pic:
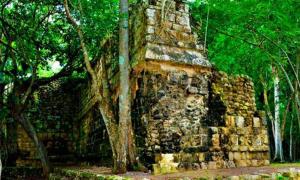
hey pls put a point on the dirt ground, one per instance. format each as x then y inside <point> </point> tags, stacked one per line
<point>197,173</point>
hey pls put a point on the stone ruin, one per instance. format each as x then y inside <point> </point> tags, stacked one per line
<point>186,114</point>
<point>191,115</point>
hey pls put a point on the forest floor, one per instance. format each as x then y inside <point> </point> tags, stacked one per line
<point>273,168</point>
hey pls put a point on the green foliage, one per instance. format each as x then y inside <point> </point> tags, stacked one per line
<point>236,31</point>
<point>37,41</point>
<point>36,34</point>
<point>250,37</point>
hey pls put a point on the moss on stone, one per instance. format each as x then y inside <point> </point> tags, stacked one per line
<point>60,173</point>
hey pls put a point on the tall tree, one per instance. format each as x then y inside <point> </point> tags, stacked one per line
<point>120,132</point>
<point>0,167</point>
<point>124,96</point>
<point>277,133</point>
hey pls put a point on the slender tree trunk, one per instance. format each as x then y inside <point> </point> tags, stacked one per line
<point>285,117</point>
<point>291,141</point>
<point>278,143</point>
<point>0,167</point>
<point>297,106</point>
<point>1,105</point>
<point>39,145</point>
<point>125,125</point>
<point>267,108</point>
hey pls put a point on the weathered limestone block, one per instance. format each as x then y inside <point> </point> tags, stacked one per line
<point>215,140</point>
<point>239,121</point>
<point>164,158</point>
<point>183,20</point>
<point>212,165</point>
<point>256,122</point>
<point>230,121</point>
<point>234,140</point>
<point>150,29</point>
<point>243,148</point>
<point>201,157</point>
<point>189,158</point>
<point>243,131</point>
<point>174,54</point>
<point>237,156</point>
<point>151,12</point>
<point>163,168</point>
<point>204,165</point>
<point>214,130</point>
<point>231,156</point>
<point>241,163</point>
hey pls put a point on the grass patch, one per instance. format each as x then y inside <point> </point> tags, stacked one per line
<point>279,165</point>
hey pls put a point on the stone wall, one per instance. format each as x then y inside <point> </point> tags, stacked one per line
<point>198,120</point>
<point>173,107</point>
<point>236,94</point>
<point>50,111</point>
<point>67,121</point>
<point>93,143</point>
<point>186,114</point>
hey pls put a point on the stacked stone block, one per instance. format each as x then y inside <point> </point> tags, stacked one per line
<point>192,116</point>
<point>164,34</point>
<point>28,151</point>
<point>51,112</point>
<point>174,105</point>
<point>229,142</point>
<point>237,94</point>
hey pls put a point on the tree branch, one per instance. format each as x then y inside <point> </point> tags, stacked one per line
<point>280,65</point>
<point>284,52</point>
<point>7,45</point>
<point>237,37</point>
<point>33,77</point>
<point>266,103</point>
<point>82,43</point>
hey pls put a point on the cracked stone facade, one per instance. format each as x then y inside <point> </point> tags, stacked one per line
<point>188,115</point>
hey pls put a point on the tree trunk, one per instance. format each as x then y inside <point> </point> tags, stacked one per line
<point>285,117</point>
<point>297,106</point>
<point>39,145</point>
<point>267,108</point>
<point>277,135</point>
<point>125,125</point>
<point>291,141</point>
<point>0,167</point>
<point>119,165</point>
